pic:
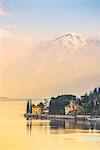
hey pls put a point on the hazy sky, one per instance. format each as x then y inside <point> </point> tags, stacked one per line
<point>23,23</point>
<point>51,17</point>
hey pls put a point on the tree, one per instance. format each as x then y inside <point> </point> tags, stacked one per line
<point>57,105</point>
<point>41,105</point>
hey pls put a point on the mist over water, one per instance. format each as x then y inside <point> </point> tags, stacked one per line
<point>16,133</point>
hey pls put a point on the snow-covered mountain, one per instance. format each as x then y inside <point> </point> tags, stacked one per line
<point>69,43</point>
<point>73,41</point>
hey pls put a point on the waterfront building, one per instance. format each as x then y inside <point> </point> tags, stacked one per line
<point>36,110</point>
<point>72,107</point>
<point>45,110</point>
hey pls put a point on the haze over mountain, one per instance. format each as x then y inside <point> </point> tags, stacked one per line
<point>68,63</point>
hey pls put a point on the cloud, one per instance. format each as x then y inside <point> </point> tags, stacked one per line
<point>3,11</point>
<point>13,45</point>
<point>4,34</point>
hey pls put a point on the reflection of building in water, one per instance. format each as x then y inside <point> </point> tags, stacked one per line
<point>63,124</point>
<point>72,124</point>
<point>92,125</point>
<point>36,124</point>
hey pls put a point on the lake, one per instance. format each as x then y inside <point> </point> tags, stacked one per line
<point>16,133</point>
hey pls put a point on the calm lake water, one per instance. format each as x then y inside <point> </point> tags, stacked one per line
<point>18,134</point>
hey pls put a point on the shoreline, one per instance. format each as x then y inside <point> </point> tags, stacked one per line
<point>44,116</point>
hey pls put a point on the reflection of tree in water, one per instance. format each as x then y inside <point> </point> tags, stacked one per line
<point>73,124</point>
<point>41,125</point>
<point>57,124</point>
<point>94,126</point>
<point>98,126</point>
<point>29,126</point>
<point>61,125</point>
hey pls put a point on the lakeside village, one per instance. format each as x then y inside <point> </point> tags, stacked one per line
<point>87,107</point>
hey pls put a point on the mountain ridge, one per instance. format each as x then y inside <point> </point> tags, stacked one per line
<point>70,41</point>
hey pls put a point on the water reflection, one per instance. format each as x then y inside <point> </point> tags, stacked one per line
<point>73,124</point>
<point>29,126</point>
<point>39,124</point>
<point>67,126</point>
<point>16,133</point>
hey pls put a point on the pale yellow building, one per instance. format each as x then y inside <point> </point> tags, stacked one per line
<point>71,107</point>
<point>36,110</point>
